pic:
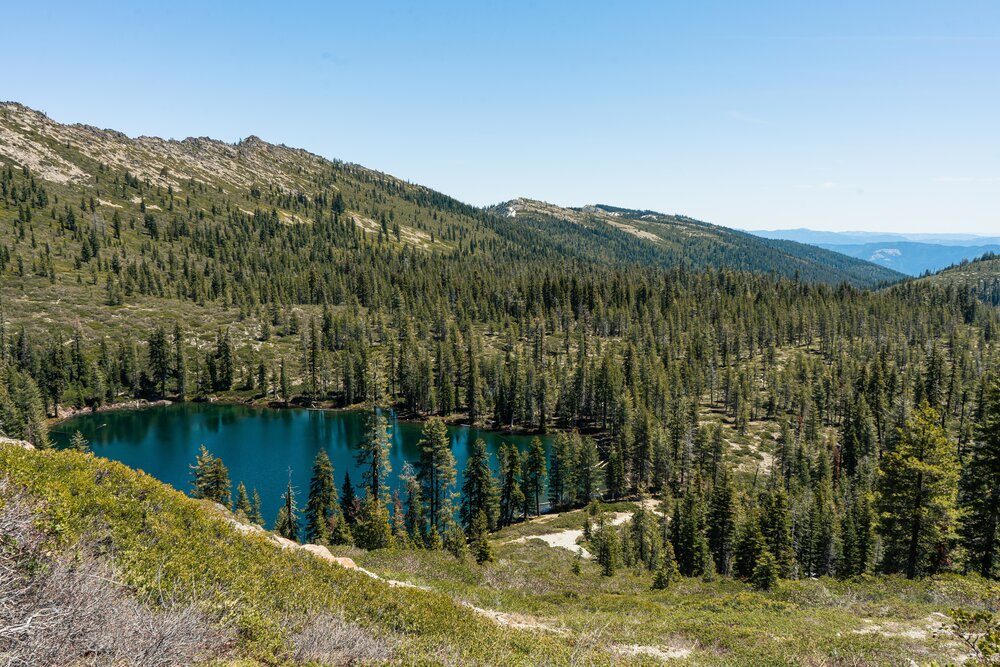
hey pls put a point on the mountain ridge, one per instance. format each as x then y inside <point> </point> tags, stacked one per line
<point>74,155</point>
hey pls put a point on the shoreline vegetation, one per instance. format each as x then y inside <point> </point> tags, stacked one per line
<point>67,413</point>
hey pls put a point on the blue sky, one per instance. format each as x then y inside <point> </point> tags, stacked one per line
<point>847,115</point>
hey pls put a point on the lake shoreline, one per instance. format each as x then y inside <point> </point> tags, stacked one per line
<point>454,419</point>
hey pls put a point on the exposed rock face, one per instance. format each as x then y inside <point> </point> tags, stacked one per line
<point>283,542</point>
<point>12,442</point>
<point>320,551</point>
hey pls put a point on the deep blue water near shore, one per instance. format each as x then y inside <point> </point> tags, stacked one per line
<point>258,445</point>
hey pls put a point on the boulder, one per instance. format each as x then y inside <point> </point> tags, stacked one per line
<point>283,542</point>
<point>13,442</point>
<point>320,551</point>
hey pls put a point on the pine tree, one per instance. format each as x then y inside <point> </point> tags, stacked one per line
<point>283,382</point>
<point>211,478</point>
<point>159,360</point>
<point>453,537</point>
<point>256,516</point>
<point>588,470</point>
<point>776,526</point>
<point>322,507</point>
<point>78,442</point>
<point>180,363</point>
<point>511,495</point>
<point>416,521</point>
<point>562,464</point>
<point>535,473</point>
<point>349,503</point>
<point>916,496</point>
<point>479,538</point>
<point>766,572</point>
<point>607,546</point>
<point>749,545</point>
<point>22,408</point>
<point>479,493</point>
<point>436,470</point>
<point>980,487</point>
<point>287,522</point>
<point>722,522</point>
<point>373,456</point>
<point>667,570</point>
<point>243,506</point>
<point>372,529</point>
<point>693,555</point>
<point>644,536</point>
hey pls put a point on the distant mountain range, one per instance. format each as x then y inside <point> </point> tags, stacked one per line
<point>912,254</point>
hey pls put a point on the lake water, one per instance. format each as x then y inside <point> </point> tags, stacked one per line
<point>258,445</point>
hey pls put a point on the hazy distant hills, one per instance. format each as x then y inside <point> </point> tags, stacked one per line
<point>912,254</point>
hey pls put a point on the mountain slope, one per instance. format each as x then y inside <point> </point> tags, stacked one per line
<point>979,278</point>
<point>672,240</point>
<point>269,603</point>
<point>199,181</point>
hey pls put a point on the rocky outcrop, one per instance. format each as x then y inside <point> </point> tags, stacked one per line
<point>321,551</point>
<point>13,442</point>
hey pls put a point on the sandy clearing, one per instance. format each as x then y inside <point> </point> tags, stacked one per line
<point>567,539</point>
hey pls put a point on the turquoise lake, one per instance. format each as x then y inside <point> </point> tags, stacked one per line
<point>258,445</point>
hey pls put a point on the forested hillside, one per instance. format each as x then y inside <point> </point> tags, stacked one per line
<point>789,422</point>
<point>680,241</point>
<point>979,278</point>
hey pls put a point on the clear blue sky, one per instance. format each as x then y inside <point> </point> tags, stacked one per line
<point>833,115</point>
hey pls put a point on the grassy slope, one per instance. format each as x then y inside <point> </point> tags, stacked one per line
<point>158,538</point>
<point>861,621</point>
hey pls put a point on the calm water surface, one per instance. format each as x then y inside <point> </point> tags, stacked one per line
<point>258,445</point>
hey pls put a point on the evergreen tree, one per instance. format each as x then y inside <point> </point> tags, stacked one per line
<point>349,503</point>
<point>749,545</point>
<point>372,529</point>
<point>479,538</point>
<point>562,466</point>
<point>211,478</point>
<point>588,470</point>
<point>180,363</point>
<point>287,522</point>
<point>257,516</point>
<point>373,456</point>
<point>243,506</point>
<point>916,496</point>
<point>722,522</point>
<point>479,493</point>
<point>693,555</point>
<point>667,570</point>
<point>78,442</point>
<point>776,526</point>
<point>766,572</point>
<point>607,546</point>
<point>416,521</point>
<point>535,473</point>
<point>159,359</point>
<point>511,495</point>
<point>323,506</point>
<point>22,408</point>
<point>436,470</point>
<point>980,486</point>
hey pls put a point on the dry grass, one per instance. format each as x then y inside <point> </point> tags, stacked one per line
<point>73,611</point>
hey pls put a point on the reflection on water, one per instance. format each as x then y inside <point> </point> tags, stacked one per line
<point>259,446</point>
